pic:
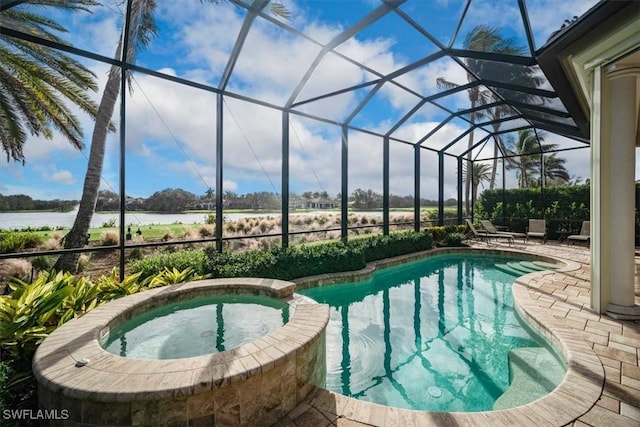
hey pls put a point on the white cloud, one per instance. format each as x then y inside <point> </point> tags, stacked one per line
<point>63,177</point>
<point>546,16</point>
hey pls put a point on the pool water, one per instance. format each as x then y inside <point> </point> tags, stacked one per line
<point>197,326</point>
<point>428,335</point>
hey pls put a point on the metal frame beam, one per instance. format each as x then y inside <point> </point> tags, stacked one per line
<point>492,56</point>
<point>252,13</point>
<point>284,198</point>
<point>416,187</point>
<point>385,186</point>
<point>373,16</point>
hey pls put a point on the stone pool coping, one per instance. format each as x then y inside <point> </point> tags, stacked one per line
<point>111,378</point>
<point>573,397</point>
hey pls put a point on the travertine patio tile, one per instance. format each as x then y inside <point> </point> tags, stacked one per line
<point>629,341</point>
<point>282,422</point>
<point>345,422</point>
<point>584,313</point>
<point>557,311</point>
<point>612,374</point>
<point>570,306</point>
<point>560,295</point>
<point>376,414</point>
<point>622,393</point>
<point>631,382</point>
<point>311,417</point>
<point>572,291</point>
<point>595,338</point>
<point>598,416</point>
<point>631,371</point>
<point>631,331</point>
<point>574,324</point>
<point>392,417</point>
<point>630,411</point>
<point>614,353</point>
<point>579,423</point>
<point>584,298</point>
<point>623,347</point>
<point>299,410</point>
<point>589,328</point>
<point>609,403</point>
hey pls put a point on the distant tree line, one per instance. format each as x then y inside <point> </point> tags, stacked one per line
<point>22,202</point>
<point>178,200</point>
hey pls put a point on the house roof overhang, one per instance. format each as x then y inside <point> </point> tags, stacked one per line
<point>605,33</point>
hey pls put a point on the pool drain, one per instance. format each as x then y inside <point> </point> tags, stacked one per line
<point>434,392</point>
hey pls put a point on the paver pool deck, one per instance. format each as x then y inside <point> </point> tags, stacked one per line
<point>565,296</point>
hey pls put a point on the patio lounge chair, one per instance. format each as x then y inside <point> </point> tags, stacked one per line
<point>584,236</point>
<point>537,228</point>
<point>486,236</point>
<point>488,225</point>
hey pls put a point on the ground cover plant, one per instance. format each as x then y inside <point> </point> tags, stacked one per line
<point>32,310</point>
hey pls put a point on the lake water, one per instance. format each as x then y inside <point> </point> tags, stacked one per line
<point>11,220</point>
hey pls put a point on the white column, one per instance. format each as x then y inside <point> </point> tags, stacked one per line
<point>617,210</point>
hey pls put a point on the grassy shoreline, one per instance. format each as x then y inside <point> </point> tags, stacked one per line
<point>160,229</point>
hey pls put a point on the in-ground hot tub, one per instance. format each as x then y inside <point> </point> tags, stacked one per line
<point>255,383</point>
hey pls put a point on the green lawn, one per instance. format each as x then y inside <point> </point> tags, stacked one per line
<point>148,231</point>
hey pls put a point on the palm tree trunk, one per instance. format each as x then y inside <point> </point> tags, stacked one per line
<point>494,166</point>
<point>467,189</point>
<point>78,235</point>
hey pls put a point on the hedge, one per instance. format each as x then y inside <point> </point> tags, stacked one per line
<point>292,262</point>
<point>564,208</point>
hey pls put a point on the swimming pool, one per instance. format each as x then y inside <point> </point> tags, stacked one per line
<point>197,326</point>
<point>431,335</point>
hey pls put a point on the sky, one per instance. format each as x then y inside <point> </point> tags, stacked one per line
<point>171,128</point>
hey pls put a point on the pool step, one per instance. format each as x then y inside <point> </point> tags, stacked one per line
<point>519,268</point>
<point>532,266</point>
<point>507,269</point>
<point>533,372</point>
<point>516,265</point>
<point>546,265</point>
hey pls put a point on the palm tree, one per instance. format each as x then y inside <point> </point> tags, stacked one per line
<point>484,39</point>
<point>210,193</point>
<point>37,81</point>
<point>555,171</point>
<point>528,149</point>
<point>480,173</point>
<point>142,29</point>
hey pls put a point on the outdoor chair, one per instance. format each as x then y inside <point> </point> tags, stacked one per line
<point>488,225</point>
<point>486,236</point>
<point>537,228</point>
<point>584,236</point>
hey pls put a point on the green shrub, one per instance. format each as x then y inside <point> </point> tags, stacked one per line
<point>11,241</point>
<point>310,260</point>
<point>439,233</point>
<point>232,264</point>
<point>210,219</point>
<point>180,260</point>
<point>285,264</point>
<point>378,246</point>
<point>135,254</point>
<point>43,263</point>
<point>110,223</point>
<point>454,239</point>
